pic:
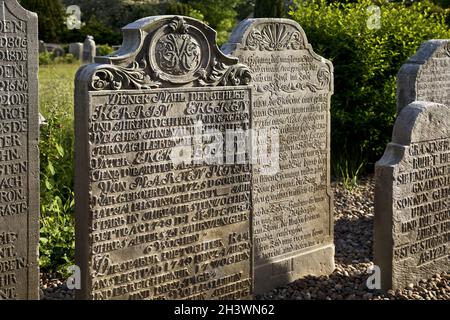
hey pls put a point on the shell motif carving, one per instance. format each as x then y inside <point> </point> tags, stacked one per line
<point>275,37</point>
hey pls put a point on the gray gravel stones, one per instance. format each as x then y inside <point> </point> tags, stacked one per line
<point>353,215</point>
<point>52,288</point>
<point>353,238</point>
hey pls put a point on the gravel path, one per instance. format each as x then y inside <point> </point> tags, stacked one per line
<point>353,215</point>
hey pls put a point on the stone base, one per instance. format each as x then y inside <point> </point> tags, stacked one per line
<point>281,272</point>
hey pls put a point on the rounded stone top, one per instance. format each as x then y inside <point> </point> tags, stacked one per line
<point>422,121</point>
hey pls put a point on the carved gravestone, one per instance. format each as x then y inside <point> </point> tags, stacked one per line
<point>89,50</point>
<point>19,173</point>
<point>412,193</point>
<point>293,224</point>
<point>426,75</point>
<point>76,49</point>
<point>156,216</point>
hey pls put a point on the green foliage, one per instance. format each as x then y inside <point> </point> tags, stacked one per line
<point>270,9</point>
<point>48,58</point>
<point>366,62</point>
<point>45,58</point>
<point>104,50</point>
<point>184,9</point>
<point>94,27</point>
<point>221,15</point>
<point>57,236</point>
<point>105,22</point>
<point>51,18</point>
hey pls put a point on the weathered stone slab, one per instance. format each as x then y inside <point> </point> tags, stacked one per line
<point>19,172</point>
<point>89,50</point>
<point>426,75</point>
<point>55,49</point>
<point>151,223</point>
<point>412,194</point>
<point>76,49</point>
<point>293,224</point>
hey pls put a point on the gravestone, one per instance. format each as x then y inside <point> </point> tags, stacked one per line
<point>293,223</point>
<point>42,48</point>
<point>55,49</point>
<point>89,50</point>
<point>151,222</point>
<point>426,75</point>
<point>19,173</point>
<point>76,49</point>
<point>412,193</point>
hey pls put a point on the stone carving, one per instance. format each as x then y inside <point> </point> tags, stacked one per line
<point>274,37</point>
<point>178,53</point>
<point>426,75</point>
<point>173,57</point>
<point>293,222</point>
<point>19,164</point>
<point>412,192</point>
<point>116,78</point>
<point>277,86</point>
<point>151,223</point>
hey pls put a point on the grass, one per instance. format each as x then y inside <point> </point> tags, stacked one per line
<point>56,87</point>
<point>57,232</point>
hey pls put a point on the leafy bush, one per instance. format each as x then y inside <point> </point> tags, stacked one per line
<point>94,27</point>
<point>270,9</point>
<point>51,18</point>
<point>104,50</point>
<point>57,235</point>
<point>48,58</point>
<point>45,58</point>
<point>366,62</point>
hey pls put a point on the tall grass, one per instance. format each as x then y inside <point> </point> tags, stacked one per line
<point>57,233</point>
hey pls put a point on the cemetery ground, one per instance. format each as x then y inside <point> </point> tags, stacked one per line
<point>353,216</point>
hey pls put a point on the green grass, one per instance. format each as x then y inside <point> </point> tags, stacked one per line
<point>57,232</point>
<point>56,85</point>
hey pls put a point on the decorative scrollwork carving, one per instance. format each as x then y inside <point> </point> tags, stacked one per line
<point>275,37</point>
<point>112,77</point>
<point>178,25</point>
<point>178,54</point>
<point>447,49</point>
<point>224,75</point>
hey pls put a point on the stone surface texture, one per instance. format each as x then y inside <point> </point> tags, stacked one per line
<point>76,49</point>
<point>19,166</point>
<point>412,217</point>
<point>293,219</point>
<point>156,218</point>
<point>426,75</point>
<point>89,50</point>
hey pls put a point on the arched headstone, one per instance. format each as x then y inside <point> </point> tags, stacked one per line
<point>412,197</point>
<point>426,75</point>
<point>159,214</point>
<point>293,205</point>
